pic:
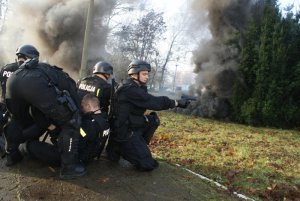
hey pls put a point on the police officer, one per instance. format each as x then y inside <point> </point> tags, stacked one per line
<point>5,73</point>
<point>97,84</point>
<point>52,92</point>
<point>93,128</point>
<point>132,129</point>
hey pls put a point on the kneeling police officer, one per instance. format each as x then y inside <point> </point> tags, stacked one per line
<point>97,84</point>
<point>53,93</point>
<point>132,129</point>
<point>93,129</point>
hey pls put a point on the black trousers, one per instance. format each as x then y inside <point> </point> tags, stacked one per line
<point>15,134</point>
<point>45,152</point>
<point>136,149</point>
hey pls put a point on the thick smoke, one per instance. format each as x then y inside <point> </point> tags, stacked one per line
<point>216,59</point>
<point>56,28</point>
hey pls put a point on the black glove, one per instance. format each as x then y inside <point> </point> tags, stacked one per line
<point>54,135</point>
<point>183,103</point>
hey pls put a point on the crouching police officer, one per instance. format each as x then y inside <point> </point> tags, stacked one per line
<point>5,73</point>
<point>93,129</point>
<point>132,129</point>
<point>97,84</point>
<point>52,92</point>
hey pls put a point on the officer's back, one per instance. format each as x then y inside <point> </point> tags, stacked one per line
<point>97,84</point>
<point>53,93</point>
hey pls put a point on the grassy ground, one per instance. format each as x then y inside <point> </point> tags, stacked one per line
<point>262,163</point>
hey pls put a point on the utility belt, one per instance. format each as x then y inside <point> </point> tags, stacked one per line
<point>136,122</point>
<point>141,121</point>
<point>124,129</point>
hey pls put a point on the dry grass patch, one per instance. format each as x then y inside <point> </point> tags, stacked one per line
<point>260,162</point>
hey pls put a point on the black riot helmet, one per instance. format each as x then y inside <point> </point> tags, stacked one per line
<point>28,51</point>
<point>137,66</point>
<point>103,67</point>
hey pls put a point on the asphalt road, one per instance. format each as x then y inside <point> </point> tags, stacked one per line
<point>31,180</point>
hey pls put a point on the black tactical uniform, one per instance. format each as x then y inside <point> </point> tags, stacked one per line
<point>54,94</point>
<point>96,85</point>
<point>5,73</point>
<point>95,126</point>
<point>132,129</point>
<point>90,141</point>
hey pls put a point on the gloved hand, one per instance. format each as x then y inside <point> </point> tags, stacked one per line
<point>183,103</point>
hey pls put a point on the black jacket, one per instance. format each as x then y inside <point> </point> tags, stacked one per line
<point>35,84</point>
<point>93,126</point>
<point>132,101</point>
<point>5,73</point>
<point>97,86</point>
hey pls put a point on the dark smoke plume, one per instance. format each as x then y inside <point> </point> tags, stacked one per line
<point>216,59</point>
<point>56,28</point>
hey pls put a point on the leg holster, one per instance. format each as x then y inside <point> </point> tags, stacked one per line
<point>152,124</point>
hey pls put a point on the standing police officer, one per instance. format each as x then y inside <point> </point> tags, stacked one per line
<point>51,92</point>
<point>132,129</point>
<point>97,84</point>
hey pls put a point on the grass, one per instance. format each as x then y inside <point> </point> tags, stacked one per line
<point>262,163</point>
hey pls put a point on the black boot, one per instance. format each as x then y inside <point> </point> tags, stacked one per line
<point>2,145</point>
<point>113,151</point>
<point>13,157</point>
<point>72,171</point>
<point>71,168</point>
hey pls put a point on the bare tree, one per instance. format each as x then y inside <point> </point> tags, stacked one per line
<point>167,59</point>
<point>119,9</point>
<point>138,41</point>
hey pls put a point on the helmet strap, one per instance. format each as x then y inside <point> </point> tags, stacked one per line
<point>106,76</point>
<point>138,79</point>
<point>102,75</point>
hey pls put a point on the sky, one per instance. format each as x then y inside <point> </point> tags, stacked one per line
<point>288,2</point>
<point>173,6</point>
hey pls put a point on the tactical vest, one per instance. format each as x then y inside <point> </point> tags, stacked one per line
<point>128,117</point>
<point>97,86</point>
<point>5,73</point>
<point>90,84</point>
